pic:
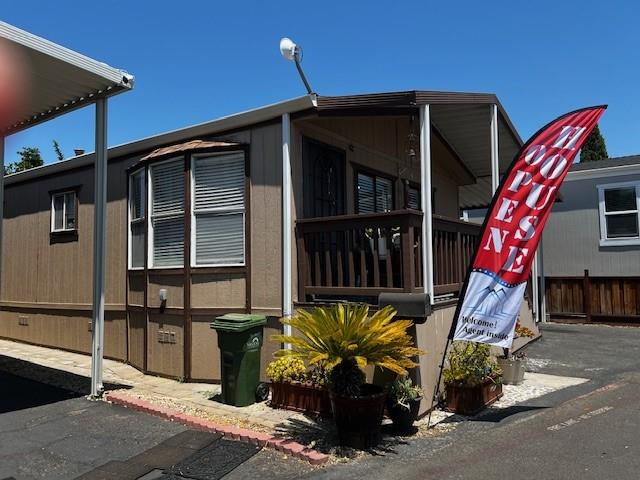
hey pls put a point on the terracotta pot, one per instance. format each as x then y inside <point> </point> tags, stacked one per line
<point>512,370</point>
<point>359,419</point>
<point>469,400</point>
<point>402,417</point>
<point>301,397</point>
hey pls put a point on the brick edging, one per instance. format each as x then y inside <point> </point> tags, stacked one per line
<point>235,433</point>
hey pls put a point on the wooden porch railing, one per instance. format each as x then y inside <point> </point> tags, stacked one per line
<point>454,242</point>
<point>365,255</point>
<point>359,255</point>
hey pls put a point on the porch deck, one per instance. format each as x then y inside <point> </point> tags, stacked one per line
<point>362,256</point>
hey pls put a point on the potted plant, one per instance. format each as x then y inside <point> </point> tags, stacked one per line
<point>513,365</point>
<point>403,403</point>
<point>472,378</point>
<point>347,339</point>
<point>295,388</point>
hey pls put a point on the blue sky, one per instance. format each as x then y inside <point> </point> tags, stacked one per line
<point>195,61</point>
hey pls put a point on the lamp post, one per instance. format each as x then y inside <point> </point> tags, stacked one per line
<point>293,53</point>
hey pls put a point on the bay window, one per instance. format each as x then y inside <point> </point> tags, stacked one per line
<point>137,217</point>
<point>218,209</point>
<point>166,235</point>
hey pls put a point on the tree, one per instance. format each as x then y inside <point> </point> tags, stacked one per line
<point>29,158</point>
<point>58,150</point>
<point>594,147</point>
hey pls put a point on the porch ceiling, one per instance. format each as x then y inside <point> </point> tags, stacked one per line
<point>463,119</point>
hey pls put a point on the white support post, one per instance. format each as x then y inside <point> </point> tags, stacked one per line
<point>287,302</point>
<point>99,250</point>
<point>495,160</point>
<point>543,299</point>
<point>425,200</point>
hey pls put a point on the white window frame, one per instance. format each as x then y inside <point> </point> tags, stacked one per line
<point>613,242</point>
<point>64,211</point>
<point>150,216</point>
<point>216,211</point>
<point>130,220</point>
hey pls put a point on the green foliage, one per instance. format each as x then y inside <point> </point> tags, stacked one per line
<point>286,369</point>
<point>594,148</point>
<point>346,334</point>
<point>58,150</point>
<point>402,391</point>
<point>29,158</point>
<point>470,364</point>
<point>347,378</point>
<point>318,375</point>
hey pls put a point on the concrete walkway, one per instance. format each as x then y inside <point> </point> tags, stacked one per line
<point>190,398</point>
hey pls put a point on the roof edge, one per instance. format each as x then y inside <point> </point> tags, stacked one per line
<point>219,125</point>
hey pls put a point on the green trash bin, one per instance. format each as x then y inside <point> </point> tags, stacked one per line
<point>240,342</point>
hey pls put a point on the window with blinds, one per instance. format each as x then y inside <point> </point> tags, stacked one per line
<point>619,213</point>
<point>218,197</point>
<point>63,212</point>
<point>413,198</point>
<point>374,193</point>
<point>167,214</point>
<point>136,219</point>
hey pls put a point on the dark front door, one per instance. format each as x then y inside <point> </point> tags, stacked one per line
<point>323,168</point>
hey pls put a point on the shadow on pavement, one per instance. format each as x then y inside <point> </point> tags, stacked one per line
<point>493,415</point>
<point>31,385</point>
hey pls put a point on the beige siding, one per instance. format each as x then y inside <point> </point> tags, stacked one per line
<point>136,290</point>
<point>266,219</point>
<point>59,272</point>
<point>165,358</point>
<point>66,329</point>
<point>137,323</point>
<point>218,291</point>
<point>173,284</point>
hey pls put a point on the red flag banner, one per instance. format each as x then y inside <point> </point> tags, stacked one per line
<point>496,281</point>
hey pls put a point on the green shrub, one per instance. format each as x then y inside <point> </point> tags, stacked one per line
<point>470,364</point>
<point>402,391</point>
<point>346,336</point>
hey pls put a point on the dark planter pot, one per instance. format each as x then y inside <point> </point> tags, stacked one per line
<point>512,370</point>
<point>402,417</point>
<point>301,397</point>
<point>467,400</point>
<point>359,419</point>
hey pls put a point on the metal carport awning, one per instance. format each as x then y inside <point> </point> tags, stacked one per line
<point>60,81</point>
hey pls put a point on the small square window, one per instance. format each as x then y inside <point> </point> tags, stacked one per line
<point>63,212</point>
<point>619,214</point>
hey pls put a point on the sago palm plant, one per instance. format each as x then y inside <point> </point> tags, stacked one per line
<point>346,339</point>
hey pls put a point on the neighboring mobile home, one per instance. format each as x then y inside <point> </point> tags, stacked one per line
<point>592,243</point>
<point>195,222</point>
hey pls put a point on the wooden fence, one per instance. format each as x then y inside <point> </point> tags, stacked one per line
<point>594,299</point>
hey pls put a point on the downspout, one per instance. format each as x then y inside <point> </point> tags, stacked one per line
<point>287,301</point>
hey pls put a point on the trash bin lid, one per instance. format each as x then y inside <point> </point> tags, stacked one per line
<point>238,322</point>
